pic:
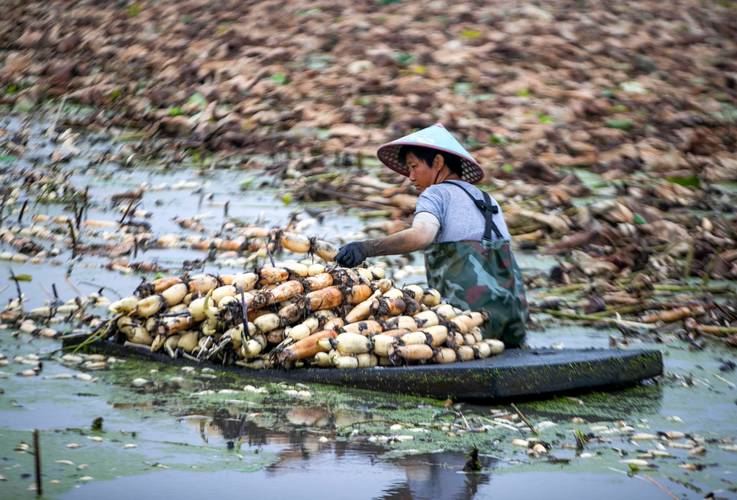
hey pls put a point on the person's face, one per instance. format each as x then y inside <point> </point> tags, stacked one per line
<point>421,174</point>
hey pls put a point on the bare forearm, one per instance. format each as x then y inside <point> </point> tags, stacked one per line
<point>404,241</point>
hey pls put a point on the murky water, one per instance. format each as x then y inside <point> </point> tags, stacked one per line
<point>190,434</point>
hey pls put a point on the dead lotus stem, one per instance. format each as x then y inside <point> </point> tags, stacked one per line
<point>327,298</point>
<point>672,315</point>
<point>716,330</point>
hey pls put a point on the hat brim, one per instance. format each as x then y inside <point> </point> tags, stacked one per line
<point>388,154</point>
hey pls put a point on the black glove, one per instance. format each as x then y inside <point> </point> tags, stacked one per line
<point>351,255</point>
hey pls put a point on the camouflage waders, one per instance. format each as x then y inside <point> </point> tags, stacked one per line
<point>482,276</point>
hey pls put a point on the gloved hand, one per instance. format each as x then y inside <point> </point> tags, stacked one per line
<point>351,255</point>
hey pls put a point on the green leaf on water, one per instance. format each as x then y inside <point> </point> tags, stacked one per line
<point>639,219</point>
<point>633,468</point>
<point>620,108</point>
<point>470,34</point>
<point>462,88</point>
<point>280,78</point>
<point>609,93</point>
<point>158,276</point>
<point>133,10</point>
<point>619,123</point>
<point>197,99</point>
<point>286,198</point>
<point>23,277</point>
<point>175,111</point>
<point>689,181</point>
<point>633,88</point>
<point>403,58</point>
<point>115,94</point>
<point>498,139</point>
<point>7,158</point>
<point>97,424</point>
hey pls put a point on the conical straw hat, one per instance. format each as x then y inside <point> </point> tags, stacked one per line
<point>434,137</point>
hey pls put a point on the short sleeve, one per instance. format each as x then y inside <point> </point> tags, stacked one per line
<point>432,200</point>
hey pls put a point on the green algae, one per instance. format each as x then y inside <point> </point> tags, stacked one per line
<point>115,456</point>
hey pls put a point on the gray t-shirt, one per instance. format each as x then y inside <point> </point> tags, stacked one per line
<point>460,219</point>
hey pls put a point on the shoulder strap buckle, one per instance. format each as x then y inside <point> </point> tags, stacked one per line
<point>487,208</point>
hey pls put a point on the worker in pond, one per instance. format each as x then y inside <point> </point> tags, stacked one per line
<point>468,256</point>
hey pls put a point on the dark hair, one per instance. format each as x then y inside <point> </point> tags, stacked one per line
<point>428,155</point>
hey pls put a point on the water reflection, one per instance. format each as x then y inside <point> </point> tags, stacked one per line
<point>438,476</point>
<point>303,437</point>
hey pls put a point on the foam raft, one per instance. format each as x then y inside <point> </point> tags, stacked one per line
<point>516,373</point>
